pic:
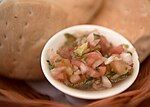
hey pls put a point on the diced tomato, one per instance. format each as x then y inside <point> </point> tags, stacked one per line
<point>116,50</point>
<point>92,57</point>
<point>102,70</point>
<point>79,64</point>
<point>75,79</point>
<point>96,74</point>
<point>92,73</point>
<point>76,62</point>
<point>120,67</point>
<point>105,45</point>
<point>59,74</point>
<point>62,62</point>
<point>65,52</point>
<point>66,62</point>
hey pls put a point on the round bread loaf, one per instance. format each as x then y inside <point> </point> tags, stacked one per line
<point>131,18</point>
<point>26,25</point>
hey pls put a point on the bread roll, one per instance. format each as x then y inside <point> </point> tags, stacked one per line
<point>26,25</point>
<point>131,18</point>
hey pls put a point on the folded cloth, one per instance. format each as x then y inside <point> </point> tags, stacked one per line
<point>45,88</point>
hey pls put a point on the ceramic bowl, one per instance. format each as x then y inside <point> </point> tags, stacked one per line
<point>115,38</point>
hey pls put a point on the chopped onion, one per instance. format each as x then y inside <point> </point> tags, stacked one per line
<point>83,68</point>
<point>110,59</point>
<point>115,76</point>
<point>125,46</point>
<point>90,38</point>
<point>106,82</point>
<point>95,42</point>
<point>126,57</point>
<point>97,63</point>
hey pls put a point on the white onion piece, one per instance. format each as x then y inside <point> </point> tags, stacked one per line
<point>95,42</point>
<point>115,76</point>
<point>90,38</point>
<point>83,68</point>
<point>110,59</point>
<point>126,57</point>
<point>106,82</point>
<point>97,63</point>
<point>77,72</point>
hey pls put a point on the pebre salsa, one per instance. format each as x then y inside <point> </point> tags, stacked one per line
<point>91,62</point>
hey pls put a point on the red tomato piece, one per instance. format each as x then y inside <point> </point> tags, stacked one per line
<point>116,50</point>
<point>105,45</point>
<point>65,52</point>
<point>75,79</point>
<point>92,57</point>
<point>102,70</point>
<point>59,74</point>
<point>96,74</point>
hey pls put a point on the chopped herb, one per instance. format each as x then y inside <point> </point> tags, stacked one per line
<point>86,51</point>
<point>88,83</point>
<point>96,36</point>
<point>68,83</point>
<point>120,78</point>
<point>50,65</point>
<point>106,56</point>
<point>83,40</point>
<point>110,74</point>
<point>90,78</point>
<point>70,40</point>
<point>129,52</point>
<point>79,51</point>
<point>70,37</point>
<point>125,46</point>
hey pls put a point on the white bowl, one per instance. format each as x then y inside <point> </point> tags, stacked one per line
<point>115,38</point>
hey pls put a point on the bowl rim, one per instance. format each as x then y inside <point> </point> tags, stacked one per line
<point>77,93</point>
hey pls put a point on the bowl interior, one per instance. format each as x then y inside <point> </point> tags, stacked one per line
<point>58,40</point>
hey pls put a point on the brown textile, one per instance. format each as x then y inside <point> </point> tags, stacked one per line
<point>16,93</point>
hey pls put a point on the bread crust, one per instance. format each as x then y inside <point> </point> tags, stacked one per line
<point>25,27</point>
